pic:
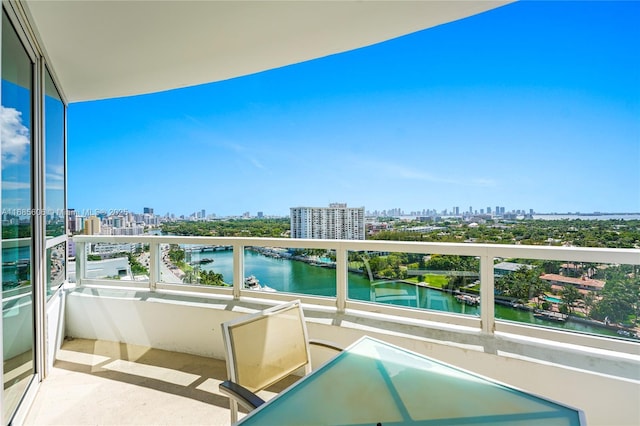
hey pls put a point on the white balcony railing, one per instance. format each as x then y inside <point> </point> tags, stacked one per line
<point>485,324</point>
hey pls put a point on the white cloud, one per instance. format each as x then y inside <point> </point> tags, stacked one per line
<point>55,187</point>
<point>403,171</point>
<point>256,163</point>
<point>55,173</point>
<point>15,136</point>
<point>483,182</point>
<point>12,186</point>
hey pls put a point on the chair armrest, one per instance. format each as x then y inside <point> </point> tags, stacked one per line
<point>242,395</point>
<point>325,344</point>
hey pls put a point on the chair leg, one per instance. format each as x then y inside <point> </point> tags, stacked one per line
<point>233,407</point>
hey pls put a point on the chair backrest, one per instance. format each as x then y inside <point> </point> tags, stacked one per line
<point>265,347</point>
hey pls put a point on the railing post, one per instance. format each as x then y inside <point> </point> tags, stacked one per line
<point>81,261</point>
<point>342,278</point>
<point>154,265</point>
<point>487,307</point>
<point>238,269</point>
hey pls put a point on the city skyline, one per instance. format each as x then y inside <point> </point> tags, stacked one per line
<point>532,105</point>
<point>455,211</point>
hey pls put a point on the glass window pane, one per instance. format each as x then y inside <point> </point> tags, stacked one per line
<point>54,159</point>
<point>196,264</point>
<point>116,261</point>
<point>586,297</point>
<point>436,282</point>
<point>17,294</point>
<point>309,271</point>
<point>56,262</point>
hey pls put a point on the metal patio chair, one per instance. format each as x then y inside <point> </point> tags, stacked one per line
<point>263,348</point>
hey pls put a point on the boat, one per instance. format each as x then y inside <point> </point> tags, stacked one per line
<point>468,299</point>
<point>206,260</point>
<point>548,315</point>
<point>252,283</point>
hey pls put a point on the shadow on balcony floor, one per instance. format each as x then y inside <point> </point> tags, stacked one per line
<point>109,383</point>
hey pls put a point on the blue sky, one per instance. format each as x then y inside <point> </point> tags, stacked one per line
<point>533,105</point>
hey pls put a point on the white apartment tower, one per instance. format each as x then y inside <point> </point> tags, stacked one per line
<point>336,222</point>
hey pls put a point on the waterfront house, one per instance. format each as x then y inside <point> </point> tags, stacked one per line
<point>583,283</point>
<point>504,268</point>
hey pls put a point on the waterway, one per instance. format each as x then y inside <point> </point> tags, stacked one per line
<point>302,278</point>
<point>593,216</point>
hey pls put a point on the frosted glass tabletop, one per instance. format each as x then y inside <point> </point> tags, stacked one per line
<point>373,382</point>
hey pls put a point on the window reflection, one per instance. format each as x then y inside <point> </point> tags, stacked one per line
<point>17,295</point>
<point>54,159</point>
<point>56,261</point>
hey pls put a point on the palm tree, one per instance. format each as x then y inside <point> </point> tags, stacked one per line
<point>570,295</point>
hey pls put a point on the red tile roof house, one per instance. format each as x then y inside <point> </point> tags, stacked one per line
<point>583,283</point>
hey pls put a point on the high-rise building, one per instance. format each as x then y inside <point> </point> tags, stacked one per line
<point>336,222</point>
<point>80,223</point>
<point>72,220</point>
<point>92,226</point>
<point>147,210</point>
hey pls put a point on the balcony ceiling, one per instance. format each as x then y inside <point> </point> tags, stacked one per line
<point>106,49</point>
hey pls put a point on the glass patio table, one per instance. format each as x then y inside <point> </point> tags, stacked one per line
<point>373,382</point>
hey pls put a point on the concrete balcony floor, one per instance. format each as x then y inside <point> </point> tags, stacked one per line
<point>96,382</point>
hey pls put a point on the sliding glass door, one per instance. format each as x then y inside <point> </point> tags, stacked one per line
<point>17,219</point>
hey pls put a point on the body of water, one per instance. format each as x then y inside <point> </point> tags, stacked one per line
<point>630,216</point>
<point>302,278</point>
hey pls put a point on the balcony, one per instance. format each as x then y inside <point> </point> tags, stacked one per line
<point>598,374</point>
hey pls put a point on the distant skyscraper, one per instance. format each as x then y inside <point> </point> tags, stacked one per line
<point>92,226</point>
<point>203,213</point>
<point>336,222</point>
<point>80,223</point>
<point>260,215</point>
<point>147,210</point>
<point>72,220</point>
<point>488,210</point>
